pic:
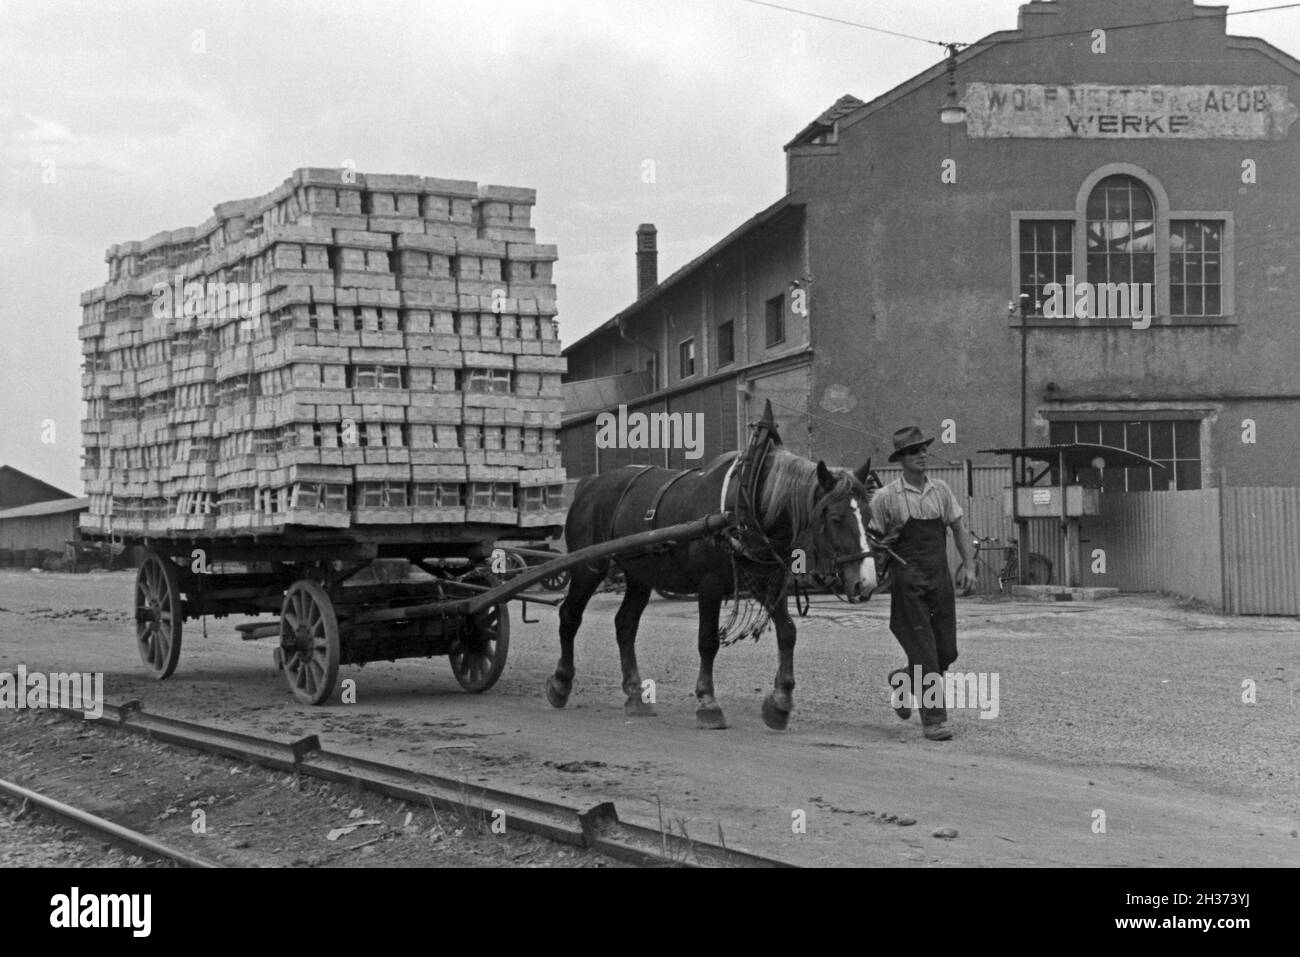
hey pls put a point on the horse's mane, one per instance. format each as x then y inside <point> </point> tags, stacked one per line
<point>791,489</point>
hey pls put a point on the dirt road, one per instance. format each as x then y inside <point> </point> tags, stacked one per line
<point>1127,713</point>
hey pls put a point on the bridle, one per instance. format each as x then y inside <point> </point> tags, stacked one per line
<point>817,529</point>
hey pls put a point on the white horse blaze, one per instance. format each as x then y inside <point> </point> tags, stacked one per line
<point>867,567</point>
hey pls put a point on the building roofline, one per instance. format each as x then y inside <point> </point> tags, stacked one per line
<point>33,478</point>
<point>997,38</point>
<point>800,357</point>
<point>53,507</point>
<point>754,222</point>
<point>926,76</point>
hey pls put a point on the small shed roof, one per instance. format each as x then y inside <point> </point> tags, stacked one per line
<point>1079,455</point>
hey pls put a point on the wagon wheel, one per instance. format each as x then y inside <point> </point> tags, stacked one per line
<point>158,614</point>
<point>309,642</point>
<point>480,656</point>
<point>557,582</point>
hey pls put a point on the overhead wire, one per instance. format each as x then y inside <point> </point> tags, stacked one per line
<point>1012,40</point>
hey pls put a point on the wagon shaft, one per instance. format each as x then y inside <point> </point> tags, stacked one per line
<point>629,545</point>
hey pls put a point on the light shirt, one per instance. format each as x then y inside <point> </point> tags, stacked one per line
<point>895,503</point>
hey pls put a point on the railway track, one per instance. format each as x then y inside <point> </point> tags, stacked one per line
<point>101,827</point>
<point>596,828</point>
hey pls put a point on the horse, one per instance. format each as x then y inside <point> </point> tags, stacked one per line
<point>807,517</point>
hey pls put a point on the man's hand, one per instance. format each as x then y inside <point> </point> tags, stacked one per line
<point>965,579</point>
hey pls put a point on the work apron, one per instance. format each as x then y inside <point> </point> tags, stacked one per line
<point>923,606</point>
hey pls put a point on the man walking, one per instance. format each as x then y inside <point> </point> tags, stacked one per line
<point>914,514</point>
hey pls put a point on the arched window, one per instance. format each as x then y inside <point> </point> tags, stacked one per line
<point>1121,232</point>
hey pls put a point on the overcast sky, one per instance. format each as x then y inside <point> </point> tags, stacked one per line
<point>146,124</point>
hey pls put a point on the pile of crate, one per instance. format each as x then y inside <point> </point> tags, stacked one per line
<point>348,349</point>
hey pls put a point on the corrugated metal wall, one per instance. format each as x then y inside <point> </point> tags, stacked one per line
<point>1157,541</point>
<point>1236,548</point>
<point>1261,551</point>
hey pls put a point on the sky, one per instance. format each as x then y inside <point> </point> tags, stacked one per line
<point>118,120</point>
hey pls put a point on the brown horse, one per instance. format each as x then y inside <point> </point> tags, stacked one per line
<point>808,518</point>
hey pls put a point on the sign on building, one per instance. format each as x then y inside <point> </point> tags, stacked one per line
<point>1096,111</point>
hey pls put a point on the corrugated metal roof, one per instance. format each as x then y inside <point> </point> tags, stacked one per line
<point>47,508</point>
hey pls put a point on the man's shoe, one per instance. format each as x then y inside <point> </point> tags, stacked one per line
<point>903,711</point>
<point>938,732</point>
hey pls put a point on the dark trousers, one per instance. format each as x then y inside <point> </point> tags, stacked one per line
<point>923,617</point>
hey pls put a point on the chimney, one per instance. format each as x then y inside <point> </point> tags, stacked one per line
<point>647,258</point>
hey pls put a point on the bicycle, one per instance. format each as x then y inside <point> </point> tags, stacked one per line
<point>1038,572</point>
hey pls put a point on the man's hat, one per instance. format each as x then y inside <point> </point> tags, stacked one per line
<point>907,439</point>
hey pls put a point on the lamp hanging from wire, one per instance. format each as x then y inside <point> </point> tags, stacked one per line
<point>952,112</point>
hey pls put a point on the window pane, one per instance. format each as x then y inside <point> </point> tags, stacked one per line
<point>1187,475</point>
<point>1135,437</point>
<point>1161,478</point>
<point>1213,301</point>
<point>1177,300</point>
<point>1112,434</point>
<point>1139,480</point>
<point>1187,439</point>
<point>1121,226</point>
<point>1060,433</point>
<point>1162,440</point>
<point>1097,204</point>
<point>1064,266</point>
<point>1089,432</point>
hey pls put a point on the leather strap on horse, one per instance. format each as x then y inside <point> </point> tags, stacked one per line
<point>618,506</point>
<point>653,510</point>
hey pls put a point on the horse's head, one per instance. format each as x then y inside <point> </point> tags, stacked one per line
<point>839,539</point>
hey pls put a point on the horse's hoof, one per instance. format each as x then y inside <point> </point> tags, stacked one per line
<point>774,716</point>
<point>638,708</point>
<point>710,719</point>
<point>556,693</point>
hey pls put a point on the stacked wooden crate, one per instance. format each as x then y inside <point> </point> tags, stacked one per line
<point>348,349</point>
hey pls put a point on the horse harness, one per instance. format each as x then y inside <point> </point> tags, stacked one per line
<point>747,536</point>
<point>650,515</point>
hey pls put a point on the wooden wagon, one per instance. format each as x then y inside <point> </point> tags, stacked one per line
<point>350,596</point>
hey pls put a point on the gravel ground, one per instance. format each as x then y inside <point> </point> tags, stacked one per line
<point>1139,682</point>
<point>1134,704</point>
